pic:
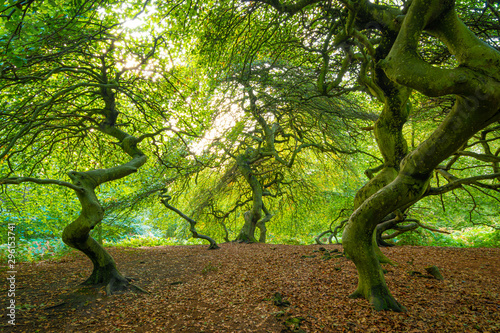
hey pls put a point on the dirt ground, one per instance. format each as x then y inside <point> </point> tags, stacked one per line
<point>258,288</point>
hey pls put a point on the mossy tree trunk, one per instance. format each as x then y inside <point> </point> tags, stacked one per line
<point>475,83</point>
<point>247,232</point>
<point>82,112</point>
<point>388,131</point>
<point>261,224</point>
<point>77,233</point>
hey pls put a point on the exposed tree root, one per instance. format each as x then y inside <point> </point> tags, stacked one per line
<point>114,281</point>
<point>246,240</point>
<point>116,286</point>
<point>380,299</point>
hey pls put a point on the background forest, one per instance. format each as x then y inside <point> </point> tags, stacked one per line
<point>258,125</point>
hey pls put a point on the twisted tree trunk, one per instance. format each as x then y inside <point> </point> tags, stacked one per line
<point>476,84</point>
<point>77,233</point>
<point>388,132</point>
<point>261,224</point>
<point>247,232</point>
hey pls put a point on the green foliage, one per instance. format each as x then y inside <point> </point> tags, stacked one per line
<point>151,240</point>
<point>36,249</point>
<point>55,62</point>
<point>479,236</point>
<point>285,239</point>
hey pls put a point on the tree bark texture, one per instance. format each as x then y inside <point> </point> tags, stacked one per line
<point>77,233</point>
<point>247,232</point>
<point>475,83</point>
<point>388,132</point>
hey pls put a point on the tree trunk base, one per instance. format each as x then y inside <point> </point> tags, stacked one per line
<point>246,241</point>
<point>243,238</point>
<point>383,243</point>
<point>115,282</point>
<point>380,299</point>
<point>213,246</point>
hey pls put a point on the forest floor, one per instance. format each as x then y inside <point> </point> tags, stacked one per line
<point>258,288</point>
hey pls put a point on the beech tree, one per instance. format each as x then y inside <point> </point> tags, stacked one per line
<point>268,138</point>
<point>76,95</point>
<point>282,138</point>
<point>476,107</point>
<point>390,51</point>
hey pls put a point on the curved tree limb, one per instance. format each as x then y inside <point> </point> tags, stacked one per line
<point>476,107</point>
<point>261,224</point>
<point>482,157</point>
<point>455,183</point>
<point>165,198</point>
<point>19,180</point>
<point>334,231</point>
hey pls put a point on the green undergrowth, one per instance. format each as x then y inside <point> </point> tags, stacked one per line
<point>38,249</point>
<point>278,239</point>
<point>151,240</point>
<point>34,250</point>
<point>479,236</point>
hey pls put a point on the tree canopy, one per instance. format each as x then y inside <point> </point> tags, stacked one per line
<point>241,108</point>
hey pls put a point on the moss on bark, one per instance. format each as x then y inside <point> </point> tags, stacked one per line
<point>476,106</point>
<point>77,233</point>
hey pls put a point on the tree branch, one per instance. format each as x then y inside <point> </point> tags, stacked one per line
<point>481,157</point>
<point>19,180</point>
<point>164,198</point>
<point>289,8</point>
<point>458,182</point>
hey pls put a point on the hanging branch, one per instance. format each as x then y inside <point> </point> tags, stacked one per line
<point>455,182</point>
<point>401,229</point>
<point>165,198</point>
<point>19,180</point>
<point>333,233</point>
